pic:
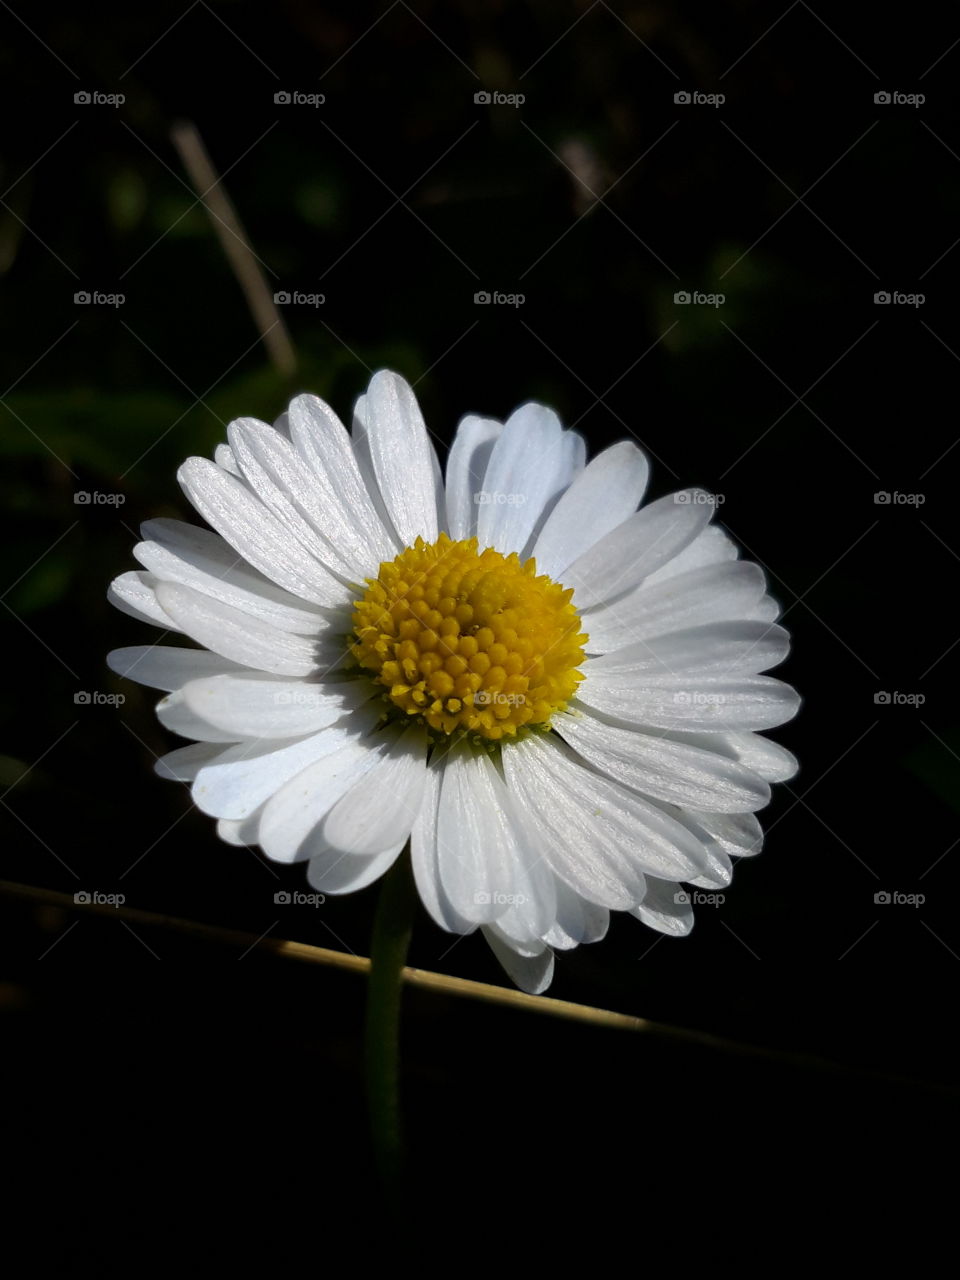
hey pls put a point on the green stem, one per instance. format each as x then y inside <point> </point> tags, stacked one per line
<point>392,928</point>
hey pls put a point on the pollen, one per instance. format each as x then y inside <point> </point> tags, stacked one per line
<point>469,641</point>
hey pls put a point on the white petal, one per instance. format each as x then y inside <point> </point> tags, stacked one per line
<point>603,496</point>
<point>175,715</point>
<point>675,772</point>
<point>135,593</point>
<point>283,479</point>
<point>577,920</point>
<point>351,520</point>
<point>466,468</point>
<point>583,846</point>
<point>243,834</point>
<point>476,842</point>
<point>335,872</point>
<point>223,457</point>
<point>255,706</point>
<point>532,973</point>
<point>738,834</point>
<point>183,764</point>
<point>236,635</point>
<point>765,610</point>
<point>715,593</point>
<point>162,667</point>
<point>666,907</point>
<point>289,826</point>
<point>712,545</point>
<point>528,468</point>
<point>380,809</point>
<point>718,871</point>
<point>719,649</point>
<point>573,457</point>
<point>256,534</point>
<point>244,776</point>
<point>703,703</point>
<point>532,908</point>
<point>623,825</point>
<point>768,759</point>
<point>424,857</point>
<point>402,457</point>
<point>636,548</point>
<point>195,557</point>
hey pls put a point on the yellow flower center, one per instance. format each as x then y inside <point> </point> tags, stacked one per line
<point>469,640</point>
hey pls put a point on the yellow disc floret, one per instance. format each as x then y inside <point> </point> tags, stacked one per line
<point>469,640</point>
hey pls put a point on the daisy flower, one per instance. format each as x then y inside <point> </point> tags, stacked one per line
<point>551,691</point>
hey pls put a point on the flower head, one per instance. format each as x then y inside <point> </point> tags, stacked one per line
<point>553,695</point>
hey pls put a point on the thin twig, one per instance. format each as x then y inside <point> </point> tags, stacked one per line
<point>451,986</point>
<point>236,246</point>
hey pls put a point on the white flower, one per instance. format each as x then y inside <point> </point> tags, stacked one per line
<point>380,661</point>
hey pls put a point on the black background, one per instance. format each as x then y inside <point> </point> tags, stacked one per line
<point>798,399</point>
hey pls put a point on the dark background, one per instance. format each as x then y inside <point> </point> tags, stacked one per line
<point>798,399</point>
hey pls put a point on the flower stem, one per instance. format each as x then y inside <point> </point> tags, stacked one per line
<point>392,928</point>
